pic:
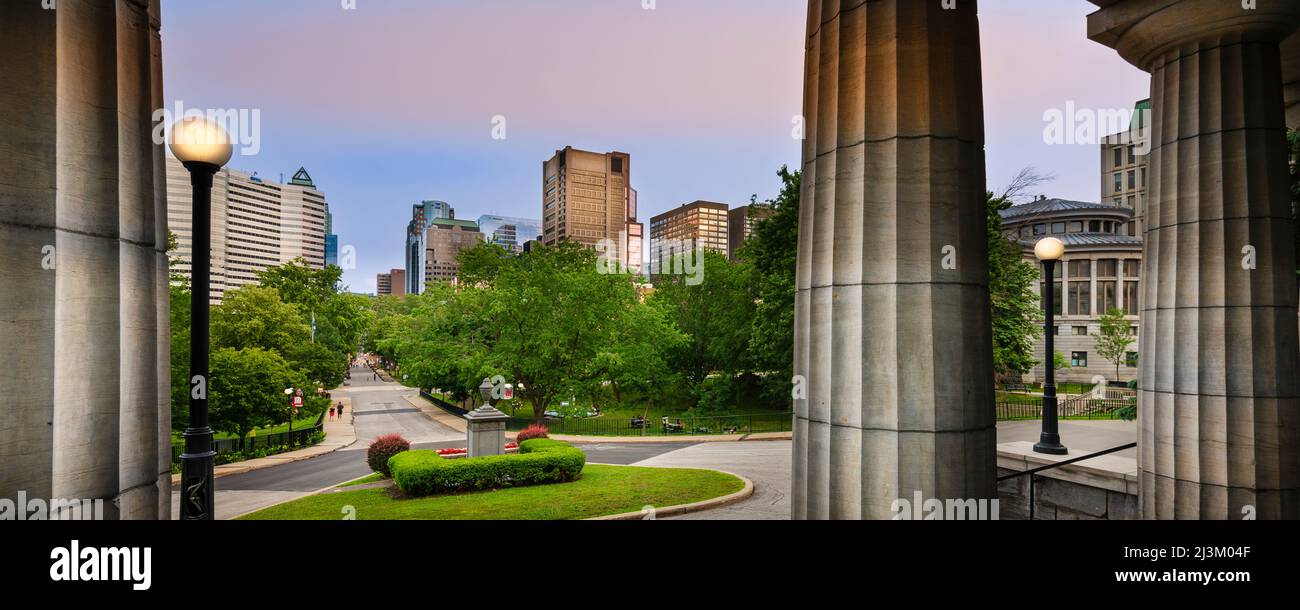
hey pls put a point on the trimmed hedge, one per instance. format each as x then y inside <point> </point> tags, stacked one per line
<point>539,461</point>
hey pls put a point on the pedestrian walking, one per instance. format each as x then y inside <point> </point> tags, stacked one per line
<point>340,410</point>
<point>331,412</point>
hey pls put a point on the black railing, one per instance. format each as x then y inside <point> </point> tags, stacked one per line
<point>758,423</point>
<point>1033,471</point>
<point>297,438</point>
<point>1011,408</point>
<point>442,404</point>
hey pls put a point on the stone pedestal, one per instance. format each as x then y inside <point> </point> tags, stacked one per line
<point>892,323</point>
<point>1219,429</point>
<point>486,431</point>
<point>83,262</point>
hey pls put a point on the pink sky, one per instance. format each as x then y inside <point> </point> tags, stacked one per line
<point>393,102</point>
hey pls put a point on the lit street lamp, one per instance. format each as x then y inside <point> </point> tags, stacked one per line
<point>203,147</point>
<point>1050,251</point>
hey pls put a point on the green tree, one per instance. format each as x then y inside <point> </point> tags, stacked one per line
<point>247,389</point>
<point>717,316</point>
<point>1114,337</point>
<point>773,251</point>
<point>546,321</point>
<point>179,309</point>
<point>1016,310</point>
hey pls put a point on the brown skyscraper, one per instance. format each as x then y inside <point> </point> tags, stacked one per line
<point>700,224</point>
<point>588,197</point>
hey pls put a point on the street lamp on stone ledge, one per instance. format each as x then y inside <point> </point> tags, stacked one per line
<point>203,147</point>
<point>1050,251</point>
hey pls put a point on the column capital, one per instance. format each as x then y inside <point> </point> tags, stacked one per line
<point>1143,30</point>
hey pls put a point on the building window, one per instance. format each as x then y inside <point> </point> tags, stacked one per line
<point>1094,226</point>
<point>1078,359</point>
<point>1131,360</point>
<point>1132,268</point>
<point>1026,232</point>
<point>1132,229</point>
<point>1080,299</point>
<point>1076,226</point>
<point>1080,269</point>
<point>1119,182</point>
<point>1119,156</point>
<point>1040,229</point>
<point>1107,267</point>
<point>1080,331</point>
<point>1058,228</point>
<point>1132,179</point>
<point>1144,177</point>
<point>1107,290</point>
<point>1131,298</point>
<point>1132,155</point>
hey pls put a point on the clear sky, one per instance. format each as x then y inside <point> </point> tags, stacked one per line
<point>393,102</point>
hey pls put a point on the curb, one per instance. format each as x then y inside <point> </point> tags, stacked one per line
<point>695,507</point>
<point>650,440</point>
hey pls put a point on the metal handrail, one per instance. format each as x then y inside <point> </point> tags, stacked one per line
<point>1033,471</point>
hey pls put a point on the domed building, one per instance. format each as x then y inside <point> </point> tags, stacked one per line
<point>1101,270</point>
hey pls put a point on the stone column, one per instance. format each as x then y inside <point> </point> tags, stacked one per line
<point>1219,429</point>
<point>486,431</point>
<point>892,328</point>
<point>1291,79</point>
<point>82,257</point>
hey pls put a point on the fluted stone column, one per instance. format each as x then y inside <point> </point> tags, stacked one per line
<point>1219,430</point>
<point>892,323</point>
<point>83,310</point>
<point>1291,79</point>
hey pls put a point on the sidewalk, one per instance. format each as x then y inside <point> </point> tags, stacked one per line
<point>339,433</point>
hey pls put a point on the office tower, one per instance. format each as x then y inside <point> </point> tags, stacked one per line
<point>331,240</point>
<point>741,222</point>
<point>588,197</point>
<point>422,216</point>
<point>1124,169</point>
<point>701,224</point>
<point>255,224</point>
<point>384,284</point>
<point>446,239</point>
<point>508,232</point>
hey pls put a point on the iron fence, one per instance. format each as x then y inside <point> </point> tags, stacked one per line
<point>1076,407</point>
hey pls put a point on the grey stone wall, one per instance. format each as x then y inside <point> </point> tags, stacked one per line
<point>1059,499</point>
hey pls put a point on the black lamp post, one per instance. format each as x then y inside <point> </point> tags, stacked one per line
<point>203,147</point>
<point>1050,251</point>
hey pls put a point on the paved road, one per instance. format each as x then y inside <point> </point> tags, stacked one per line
<point>379,408</point>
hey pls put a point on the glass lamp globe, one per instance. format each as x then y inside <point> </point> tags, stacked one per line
<point>198,140</point>
<point>1049,249</point>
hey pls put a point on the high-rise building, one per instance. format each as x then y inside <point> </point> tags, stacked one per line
<point>701,224</point>
<point>446,239</point>
<point>422,216</point>
<point>392,283</point>
<point>331,240</point>
<point>1124,169</point>
<point>741,222</point>
<point>588,198</point>
<point>255,224</point>
<point>509,233</point>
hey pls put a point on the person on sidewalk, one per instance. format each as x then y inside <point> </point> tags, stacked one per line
<point>340,411</point>
<point>331,412</point>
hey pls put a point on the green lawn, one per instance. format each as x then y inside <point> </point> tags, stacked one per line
<point>602,490</point>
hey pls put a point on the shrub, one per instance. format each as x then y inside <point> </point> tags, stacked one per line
<point>383,449</point>
<point>532,432</point>
<point>539,461</point>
